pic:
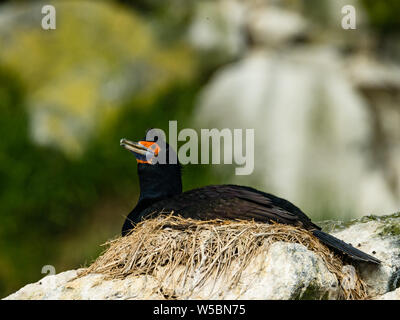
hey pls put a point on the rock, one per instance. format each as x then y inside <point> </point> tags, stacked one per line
<point>283,271</point>
<point>275,27</point>
<point>380,237</point>
<point>368,72</point>
<point>392,295</point>
<point>379,82</point>
<point>63,287</point>
<point>305,277</point>
<point>216,27</point>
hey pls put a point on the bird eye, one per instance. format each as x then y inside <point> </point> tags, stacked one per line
<point>152,146</point>
<point>155,148</point>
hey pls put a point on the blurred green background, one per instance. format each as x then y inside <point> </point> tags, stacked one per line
<point>112,69</point>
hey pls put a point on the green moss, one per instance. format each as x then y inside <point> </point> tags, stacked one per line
<point>390,224</point>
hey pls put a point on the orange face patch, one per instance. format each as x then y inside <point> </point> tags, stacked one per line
<point>151,145</point>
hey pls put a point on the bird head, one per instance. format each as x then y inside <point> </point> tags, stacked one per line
<point>152,150</point>
<point>144,151</point>
<point>158,167</point>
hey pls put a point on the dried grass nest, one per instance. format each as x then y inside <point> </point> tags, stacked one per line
<point>208,249</point>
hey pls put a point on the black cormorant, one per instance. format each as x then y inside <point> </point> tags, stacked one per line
<point>161,191</point>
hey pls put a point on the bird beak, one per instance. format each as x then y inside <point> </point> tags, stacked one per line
<point>135,147</point>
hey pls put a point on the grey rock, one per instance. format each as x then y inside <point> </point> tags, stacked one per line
<point>285,271</point>
<point>380,237</point>
<point>281,271</point>
<point>392,295</point>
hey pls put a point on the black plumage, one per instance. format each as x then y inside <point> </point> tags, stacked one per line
<point>161,191</point>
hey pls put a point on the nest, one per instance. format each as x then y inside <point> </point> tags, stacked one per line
<point>205,250</point>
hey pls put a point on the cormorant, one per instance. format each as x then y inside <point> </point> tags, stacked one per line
<point>161,190</point>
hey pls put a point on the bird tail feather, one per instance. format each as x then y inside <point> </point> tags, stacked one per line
<point>344,247</point>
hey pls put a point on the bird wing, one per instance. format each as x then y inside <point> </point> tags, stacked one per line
<point>234,202</point>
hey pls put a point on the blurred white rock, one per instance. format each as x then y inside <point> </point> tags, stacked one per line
<point>273,26</point>
<point>217,26</point>
<point>311,128</point>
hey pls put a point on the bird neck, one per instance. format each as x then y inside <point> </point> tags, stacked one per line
<point>159,184</point>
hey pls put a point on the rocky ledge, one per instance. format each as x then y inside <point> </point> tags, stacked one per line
<point>283,270</point>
